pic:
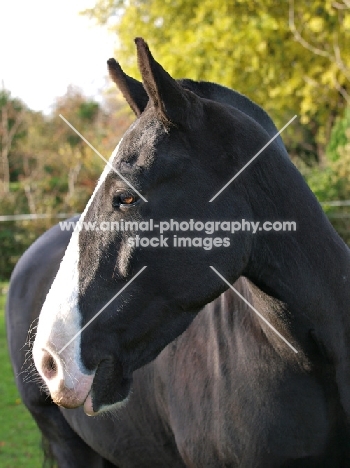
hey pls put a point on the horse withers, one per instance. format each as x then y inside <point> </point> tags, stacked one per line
<point>188,374</point>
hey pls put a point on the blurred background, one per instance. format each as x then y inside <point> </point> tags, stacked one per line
<point>290,57</point>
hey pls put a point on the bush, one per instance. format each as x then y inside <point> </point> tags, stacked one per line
<point>15,238</point>
<point>332,182</point>
<point>339,136</point>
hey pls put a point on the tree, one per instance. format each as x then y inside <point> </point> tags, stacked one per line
<point>11,118</point>
<point>52,169</point>
<point>289,58</point>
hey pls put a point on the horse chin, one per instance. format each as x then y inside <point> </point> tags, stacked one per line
<point>109,389</point>
<point>90,408</point>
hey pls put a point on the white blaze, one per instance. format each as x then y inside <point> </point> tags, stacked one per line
<point>60,318</point>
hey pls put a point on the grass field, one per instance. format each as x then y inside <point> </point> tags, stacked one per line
<point>19,436</point>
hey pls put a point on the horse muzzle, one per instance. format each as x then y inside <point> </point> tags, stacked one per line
<point>68,385</point>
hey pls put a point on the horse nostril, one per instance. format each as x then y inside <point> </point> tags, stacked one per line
<point>49,366</point>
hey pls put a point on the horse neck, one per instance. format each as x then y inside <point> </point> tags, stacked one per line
<point>307,270</point>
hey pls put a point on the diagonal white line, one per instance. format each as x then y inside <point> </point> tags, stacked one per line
<point>253,308</point>
<point>103,158</point>
<point>249,162</point>
<point>101,310</point>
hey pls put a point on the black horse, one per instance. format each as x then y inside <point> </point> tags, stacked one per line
<point>189,374</point>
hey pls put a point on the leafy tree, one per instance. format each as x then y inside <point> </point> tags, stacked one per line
<point>11,130</point>
<point>289,58</point>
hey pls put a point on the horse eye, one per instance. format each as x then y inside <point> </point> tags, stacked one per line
<point>124,199</point>
<point>127,199</point>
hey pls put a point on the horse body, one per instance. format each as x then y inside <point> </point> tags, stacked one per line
<point>212,398</point>
<point>218,395</point>
<point>191,376</point>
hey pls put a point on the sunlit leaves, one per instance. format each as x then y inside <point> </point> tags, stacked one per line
<point>250,46</point>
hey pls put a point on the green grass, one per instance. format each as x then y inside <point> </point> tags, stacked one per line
<point>20,438</point>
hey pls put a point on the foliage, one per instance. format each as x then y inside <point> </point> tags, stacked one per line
<point>339,137</point>
<point>332,180</point>
<point>291,59</point>
<point>52,170</point>
<point>341,168</point>
<point>15,238</point>
<point>11,131</point>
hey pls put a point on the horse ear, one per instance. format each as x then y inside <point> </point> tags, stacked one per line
<point>167,96</point>
<point>132,90</point>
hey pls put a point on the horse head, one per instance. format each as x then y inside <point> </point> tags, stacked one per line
<point>170,162</point>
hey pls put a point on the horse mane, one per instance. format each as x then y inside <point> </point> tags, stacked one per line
<point>230,97</point>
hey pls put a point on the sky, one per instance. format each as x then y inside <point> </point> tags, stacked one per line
<point>46,46</point>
